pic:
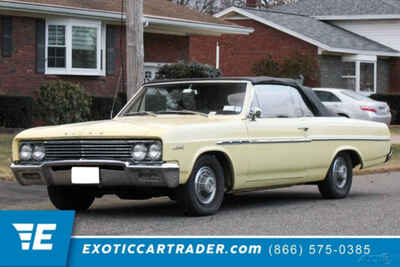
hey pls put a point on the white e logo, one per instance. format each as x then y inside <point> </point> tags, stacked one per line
<point>25,234</point>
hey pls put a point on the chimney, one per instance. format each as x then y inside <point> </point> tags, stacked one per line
<point>251,3</point>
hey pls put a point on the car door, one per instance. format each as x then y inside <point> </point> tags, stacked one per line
<point>279,150</point>
<point>331,101</point>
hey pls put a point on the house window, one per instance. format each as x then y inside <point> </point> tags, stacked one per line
<point>75,47</point>
<point>349,75</point>
<point>84,47</point>
<point>56,47</point>
<point>360,74</point>
<point>151,69</point>
<point>367,77</point>
<point>148,76</point>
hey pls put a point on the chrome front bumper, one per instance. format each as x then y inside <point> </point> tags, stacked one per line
<point>112,173</point>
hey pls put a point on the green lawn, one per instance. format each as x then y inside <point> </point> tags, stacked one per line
<point>392,165</point>
<point>395,129</point>
<point>5,155</point>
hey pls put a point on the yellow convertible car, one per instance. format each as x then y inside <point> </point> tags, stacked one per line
<point>197,140</point>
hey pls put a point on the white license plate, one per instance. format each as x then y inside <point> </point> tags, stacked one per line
<point>85,175</point>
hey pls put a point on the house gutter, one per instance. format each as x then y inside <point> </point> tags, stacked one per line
<point>198,26</point>
<point>357,17</point>
<point>116,17</point>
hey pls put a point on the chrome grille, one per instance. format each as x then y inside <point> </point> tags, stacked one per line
<point>89,149</point>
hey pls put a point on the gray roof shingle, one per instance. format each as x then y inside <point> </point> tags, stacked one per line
<point>342,7</point>
<point>325,33</point>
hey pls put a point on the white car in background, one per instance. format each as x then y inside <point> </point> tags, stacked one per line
<point>348,103</point>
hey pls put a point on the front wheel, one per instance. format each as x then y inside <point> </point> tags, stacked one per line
<point>204,192</point>
<point>338,182</point>
<point>69,198</point>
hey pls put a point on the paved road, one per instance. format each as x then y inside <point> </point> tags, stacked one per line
<point>373,208</point>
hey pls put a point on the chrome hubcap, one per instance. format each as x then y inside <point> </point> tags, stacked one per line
<point>340,172</point>
<point>205,185</point>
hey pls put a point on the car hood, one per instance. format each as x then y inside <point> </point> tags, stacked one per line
<point>125,127</point>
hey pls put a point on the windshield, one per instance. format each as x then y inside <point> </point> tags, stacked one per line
<point>189,99</point>
<point>356,96</point>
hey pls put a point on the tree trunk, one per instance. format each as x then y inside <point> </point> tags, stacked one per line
<point>134,46</point>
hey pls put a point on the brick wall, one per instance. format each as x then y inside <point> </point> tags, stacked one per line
<point>18,73</point>
<point>240,52</point>
<point>165,48</point>
<point>203,49</point>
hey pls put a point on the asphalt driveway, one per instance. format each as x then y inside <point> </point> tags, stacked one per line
<point>373,208</point>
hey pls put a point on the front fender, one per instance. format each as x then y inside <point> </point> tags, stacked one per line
<point>187,169</point>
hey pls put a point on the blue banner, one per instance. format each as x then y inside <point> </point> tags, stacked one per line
<point>43,238</point>
<point>235,251</point>
<point>35,238</point>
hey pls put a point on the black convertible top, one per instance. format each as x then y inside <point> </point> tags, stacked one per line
<point>307,92</point>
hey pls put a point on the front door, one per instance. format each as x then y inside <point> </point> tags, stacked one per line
<point>280,146</point>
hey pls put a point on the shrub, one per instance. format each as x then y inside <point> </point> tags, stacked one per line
<point>16,111</point>
<point>102,106</point>
<point>62,102</point>
<point>294,67</point>
<point>267,67</point>
<point>394,103</point>
<point>183,70</point>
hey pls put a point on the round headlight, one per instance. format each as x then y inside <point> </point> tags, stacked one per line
<point>38,153</point>
<point>139,152</point>
<point>26,152</point>
<point>155,151</point>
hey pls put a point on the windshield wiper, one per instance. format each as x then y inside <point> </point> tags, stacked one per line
<point>141,113</point>
<point>184,111</point>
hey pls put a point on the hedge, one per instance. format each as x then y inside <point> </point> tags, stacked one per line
<point>15,111</point>
<point>182,70</point>
<point>60,102</point>
<point>101,106</point>
<point>393,101</point>
<point>295,66</point>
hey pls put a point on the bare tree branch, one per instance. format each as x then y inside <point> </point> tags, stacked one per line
<point>213,6</point>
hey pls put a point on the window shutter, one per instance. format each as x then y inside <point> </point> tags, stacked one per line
<point>7,44</point>
<point>40,46</point>
<point>110,50</point>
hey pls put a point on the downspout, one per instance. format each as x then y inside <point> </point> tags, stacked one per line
<point>217,56</point>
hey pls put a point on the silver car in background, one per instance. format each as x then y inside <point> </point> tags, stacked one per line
<point>353,105</point>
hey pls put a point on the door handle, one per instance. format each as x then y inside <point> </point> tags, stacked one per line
<point>303,129</point>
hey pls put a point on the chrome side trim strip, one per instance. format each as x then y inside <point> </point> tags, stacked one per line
<point>280,140</point>
<point>233,142</point>
<point>300,140</point>
<point>265,141</point>
<point>377,139</point>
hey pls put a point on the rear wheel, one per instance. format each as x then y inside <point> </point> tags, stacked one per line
<point>204,192</point>
<point>338,182</point>
<point>69,198</point>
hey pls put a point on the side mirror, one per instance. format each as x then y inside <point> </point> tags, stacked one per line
<point>255,113</point>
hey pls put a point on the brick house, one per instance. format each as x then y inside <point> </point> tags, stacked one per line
<point>355,42</point>
<point>84,42</point>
